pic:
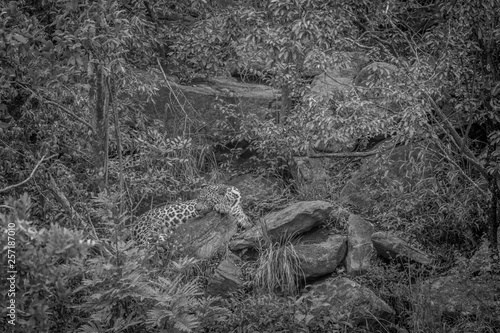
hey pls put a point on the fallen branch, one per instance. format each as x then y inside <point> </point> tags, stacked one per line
<point>346,155</point>
<point>8,188</point>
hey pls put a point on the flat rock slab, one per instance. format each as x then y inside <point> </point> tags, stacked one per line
<point>226,279</point>
<point>203,237</point>
<point>256,188</point>
<point>348,300</point>
<point>360,247</point>
<point>392,247</point>
<point>294,220</point>
<point>458,296</point>
<point>320,258</point>
<point>199,100</point>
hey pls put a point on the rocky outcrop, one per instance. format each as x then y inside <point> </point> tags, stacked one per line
<point>351,301</point>
<point>203,237</point>
<point>311,175</point>
<point>360,248</point>
<point>176,99</point>
<point>458,296</point>
<point>392,166</point>
<point>226,279</point>
<point>332,83</point>
<point>392,247</point>
<point>320,253</point>
<point>292,220</point>
<point>255,188</point>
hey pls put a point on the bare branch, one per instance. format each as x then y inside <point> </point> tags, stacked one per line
<point>71,114</point>
<point>444,154</point>
<point>347,155</point>
<point>68,112</point>
<point>468,154</point>
<point>8,188</point>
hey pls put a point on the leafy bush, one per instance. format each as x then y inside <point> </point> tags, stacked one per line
<point>60,287</point>
<point>270,313</point>
<point>48,264</point>
<point>441,211</point>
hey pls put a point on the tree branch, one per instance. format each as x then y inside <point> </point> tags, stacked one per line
<point>8,188</point>
<point>68,112</point>
<point>71,114</point>
<point>456,137</point>
<point>346,155</point>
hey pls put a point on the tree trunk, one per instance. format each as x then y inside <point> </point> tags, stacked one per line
<point>99,114</point>
<point>285,104</point>
<point>493,220</point>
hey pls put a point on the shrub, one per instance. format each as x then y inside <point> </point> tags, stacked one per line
<point>48,263</point>
<point>60,287</point>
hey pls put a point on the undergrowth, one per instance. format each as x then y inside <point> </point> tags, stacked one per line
<point>62,287</point>
<point>278,266</point>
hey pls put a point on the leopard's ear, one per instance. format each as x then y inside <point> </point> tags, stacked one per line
<point>222,190</point>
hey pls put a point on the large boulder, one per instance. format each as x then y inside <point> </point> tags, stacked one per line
<point>393,166</point>
<point>198,101</point>
<point>292,220</point>
<point>255,188</point>
<point>332,83</point>
<point>458,296</point>
<point>311,176</point>
<point>391,246</point>
<point>337,78</point>
<point>226,279</point>
<point>360,247</point>
<point>320,253</point>
<point>202,237</point>
<point>348,300</point>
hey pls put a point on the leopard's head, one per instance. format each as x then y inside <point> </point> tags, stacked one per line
<point>223,199</point>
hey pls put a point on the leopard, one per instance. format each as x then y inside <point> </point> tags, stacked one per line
<point>159,222</point>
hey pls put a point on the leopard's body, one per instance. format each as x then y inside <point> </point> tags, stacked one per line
<point>163,220</point>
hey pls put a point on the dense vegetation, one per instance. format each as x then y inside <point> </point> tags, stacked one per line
<point>78,157</point>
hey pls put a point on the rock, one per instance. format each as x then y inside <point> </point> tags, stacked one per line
<point>292,220</point>
<point>457,296</point>
<point>332,83</point>
<point>255,188</point>
<point>320,256</point>
<point>311,175</point>
<point>203,237</point>
<point>392,247</point>
<point>377,174</point>
<point>226,279</point>
<point>335,83</point>
<point>200,99</point>
<point>373,73</point>
<point>360,247</point>
<point>338,77</point>
<point>351,301</point>
<point>479,264</point>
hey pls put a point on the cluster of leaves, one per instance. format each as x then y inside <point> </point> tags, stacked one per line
<point>57,56</point>
<point>47,263</point>
<point>61,286</point>
<point>405,290</point>
<point>156,162</point>
<point>430,201</point>
<point>270,313</point>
